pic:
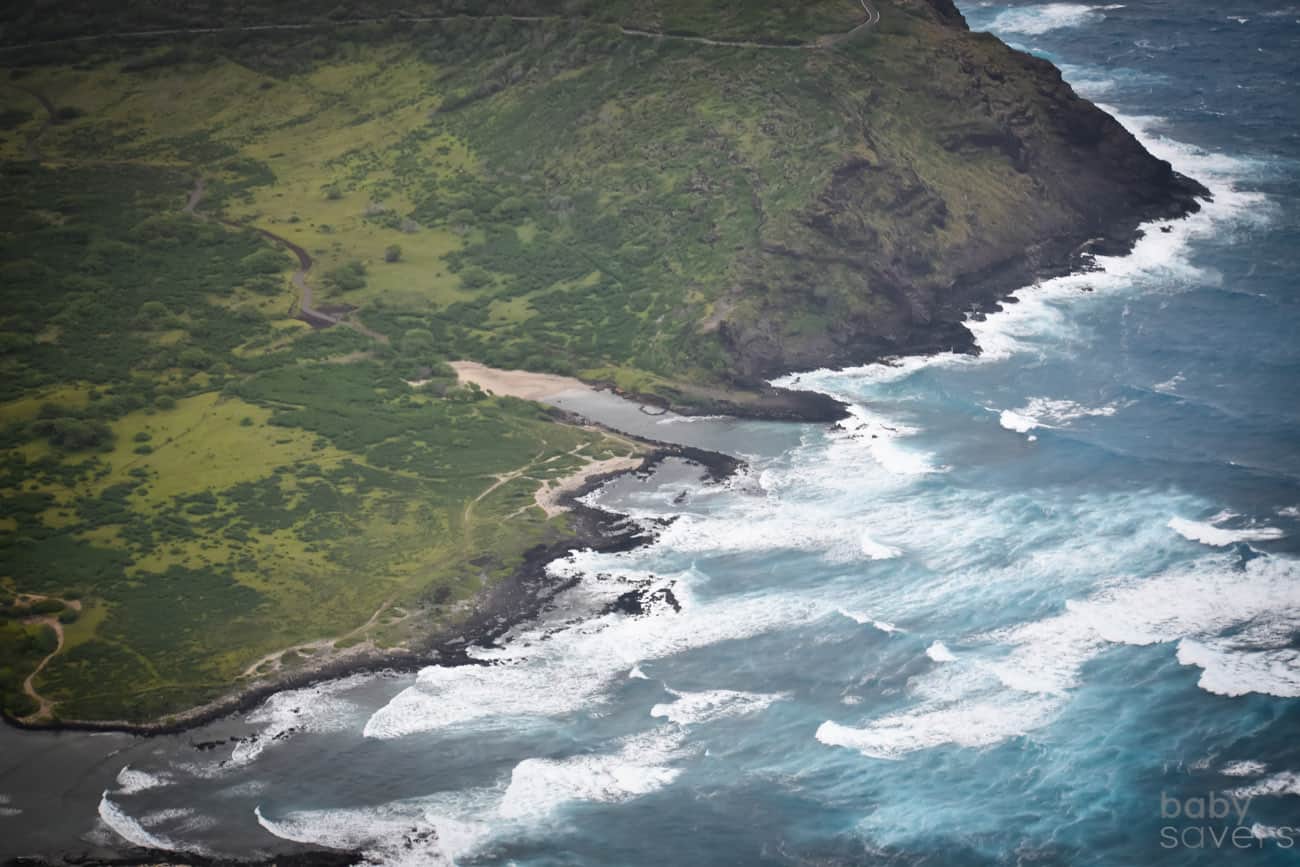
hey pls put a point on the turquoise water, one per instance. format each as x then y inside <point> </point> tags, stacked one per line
<point>1020,609</point>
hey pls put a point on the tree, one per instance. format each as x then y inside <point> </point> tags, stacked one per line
<point>393,253</point>
<point>349,277</point>
<point>265,261</point>
<point>152,315</point>
<point>416,341</point>
<point>195,358</point>
<point>73,434</point>
<point>474,277</point>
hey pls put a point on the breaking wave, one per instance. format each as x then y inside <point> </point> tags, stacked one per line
<point>1036,20</point>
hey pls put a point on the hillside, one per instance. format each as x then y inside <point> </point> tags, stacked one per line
<point>198,479</point>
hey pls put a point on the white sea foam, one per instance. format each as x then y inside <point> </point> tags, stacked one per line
<point>1170,385</point>
<point>772,525</point>
<point>399,834</point>
<point>636,673</point>
<point>131,781</point>
<point>1047,412</point>
<point>939,652</point>
<point>690,708</point>
<point>689,419</point>
<point>1207,533</point>
<point>962,723</point>
<point>772,511</point>
<point>1039,19</point>
<point>1234,621</point>
<point>317,708</point>
<point>1289,512</point>
<point>642,764</point>
<point>547,671</point>
<point>540,786</point>
<point>1243,769</point>
<point>1271,832</point>
<point>881,436</point>
<point>1229,670</point>
<point>1017,422</point>
<point>165,816</point>
<point>133,832</point>
<point>1281,783</point>
<point>874,550</point>
<point>441,828</point>
<point>863,619</point>
<point>1192,605</point>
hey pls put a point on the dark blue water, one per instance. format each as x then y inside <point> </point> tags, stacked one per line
<point>1042,607</point>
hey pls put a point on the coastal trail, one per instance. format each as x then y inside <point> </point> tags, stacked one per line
<point>323,649</point>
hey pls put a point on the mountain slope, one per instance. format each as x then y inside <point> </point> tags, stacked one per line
<point>223,463</point>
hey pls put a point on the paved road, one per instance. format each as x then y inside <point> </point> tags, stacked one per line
<point>871,19</point>
<point>33,143</point>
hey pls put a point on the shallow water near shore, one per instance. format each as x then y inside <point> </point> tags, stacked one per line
<point>1016,610</point>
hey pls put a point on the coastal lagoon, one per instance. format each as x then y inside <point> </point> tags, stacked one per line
<point>1039,605</point>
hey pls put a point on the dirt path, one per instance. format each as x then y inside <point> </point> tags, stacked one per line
<point>819,44</point>
<point>306,295</point>
<point>467,517</point>
<point>195,196</point>
<point>45,706</point>
<point>315,648</point>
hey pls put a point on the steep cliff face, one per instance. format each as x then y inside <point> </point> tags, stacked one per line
<point>978,169</point>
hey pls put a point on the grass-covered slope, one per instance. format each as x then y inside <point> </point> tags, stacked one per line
<point>550,188</point>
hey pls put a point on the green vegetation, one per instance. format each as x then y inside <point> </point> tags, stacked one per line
<point>217,482</point>
<point>348,277</point>
<point>222,483</point>
<point>700,218</point>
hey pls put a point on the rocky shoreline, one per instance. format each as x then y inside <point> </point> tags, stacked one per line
<point>517,599</point>
<point>525,593</point>
<point>940,322</point>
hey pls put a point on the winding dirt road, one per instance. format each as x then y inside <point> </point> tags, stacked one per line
<point>307,310</point>
<point>44,706</point>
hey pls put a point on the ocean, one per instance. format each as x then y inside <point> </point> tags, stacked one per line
<point>1036,606</point>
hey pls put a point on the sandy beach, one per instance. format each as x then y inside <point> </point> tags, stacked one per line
<point>551,495</point>
<point>517,383</point>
